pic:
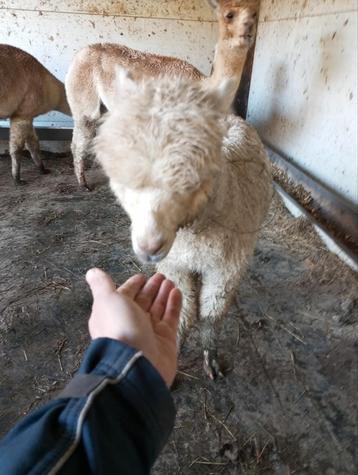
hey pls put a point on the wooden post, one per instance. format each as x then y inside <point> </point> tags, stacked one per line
<point>241,101</point>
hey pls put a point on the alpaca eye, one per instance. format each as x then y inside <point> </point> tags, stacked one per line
<point>230,15</point>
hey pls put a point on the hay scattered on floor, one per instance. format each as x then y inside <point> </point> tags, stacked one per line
<point>305,199</point>
<point>299,235</point>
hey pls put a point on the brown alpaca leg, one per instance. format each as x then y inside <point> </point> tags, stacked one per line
<point>18,129</point>
<point>33,146</point>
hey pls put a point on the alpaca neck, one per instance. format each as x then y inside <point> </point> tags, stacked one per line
<point>229,62</point>
<point>56,95</point>
<point>59,98</point>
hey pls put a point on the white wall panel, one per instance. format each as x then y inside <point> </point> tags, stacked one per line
<point>304,87</point>
<point>54,30</point>
<point>182,9</point>
<point>274,10</point>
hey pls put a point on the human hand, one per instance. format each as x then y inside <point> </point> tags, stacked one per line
<point>142,313</point>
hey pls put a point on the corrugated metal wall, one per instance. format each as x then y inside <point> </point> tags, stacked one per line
<point>53,30</point>
<point>303,96</point>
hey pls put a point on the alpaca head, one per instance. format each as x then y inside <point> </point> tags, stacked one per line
<point>237,21</point>
<point>161,149</point>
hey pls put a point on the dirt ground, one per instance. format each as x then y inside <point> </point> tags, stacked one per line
<point>288,402</point>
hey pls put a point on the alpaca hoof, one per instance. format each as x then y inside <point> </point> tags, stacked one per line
<point>19,182</point>
<point>212,366</point>
<point>44,171</point>
<point>85,187</point>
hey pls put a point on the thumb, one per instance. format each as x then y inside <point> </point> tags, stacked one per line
<point>101,284</point>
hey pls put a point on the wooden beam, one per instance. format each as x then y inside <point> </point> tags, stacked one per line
<point>331,211</point>
<point>241,101</point>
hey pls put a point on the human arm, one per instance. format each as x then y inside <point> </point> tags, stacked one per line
<point>117,413</point>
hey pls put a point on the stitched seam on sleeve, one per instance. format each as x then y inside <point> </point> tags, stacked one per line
<point>86,407</point>
<point>106,366</point>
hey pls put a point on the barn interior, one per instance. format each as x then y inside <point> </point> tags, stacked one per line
<point>287,403</point>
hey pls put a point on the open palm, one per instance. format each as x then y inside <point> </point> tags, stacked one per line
<point>142,313</point>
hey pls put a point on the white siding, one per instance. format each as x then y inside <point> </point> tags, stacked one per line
<point>304,87</point>
<point>53,30</point>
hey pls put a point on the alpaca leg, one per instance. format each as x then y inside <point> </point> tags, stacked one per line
<point>17,142</point>
<point>83,133</point>
<point>216,297</point>
<point>33,146</point>
<point>186,283</point>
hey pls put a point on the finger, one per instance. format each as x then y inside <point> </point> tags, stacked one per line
<point>172,309</point>
<point>149,291</point>
<point>133,285</point>
<point>101,284</point>
<point>160,302</point>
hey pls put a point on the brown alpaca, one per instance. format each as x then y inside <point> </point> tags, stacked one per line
<point>237,31</point>
<point>90,82</point>
<point>27,89</point>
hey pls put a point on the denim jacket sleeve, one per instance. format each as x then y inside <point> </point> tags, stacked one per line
<point>114,417</point>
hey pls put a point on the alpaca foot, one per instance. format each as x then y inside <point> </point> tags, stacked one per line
<point>212,366</point>
<point>85,187</point>
<point>44,171</point>
<point>19,182</point>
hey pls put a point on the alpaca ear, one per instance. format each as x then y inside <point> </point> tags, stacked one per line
<point>213,3</point>
<point>224,94</point>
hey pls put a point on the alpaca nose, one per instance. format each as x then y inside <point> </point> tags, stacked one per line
<point>249,27</point>
<point>250,21</point>
<point>151,248</point>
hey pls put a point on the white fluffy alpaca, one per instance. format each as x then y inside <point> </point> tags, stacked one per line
<point>196,185</point>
